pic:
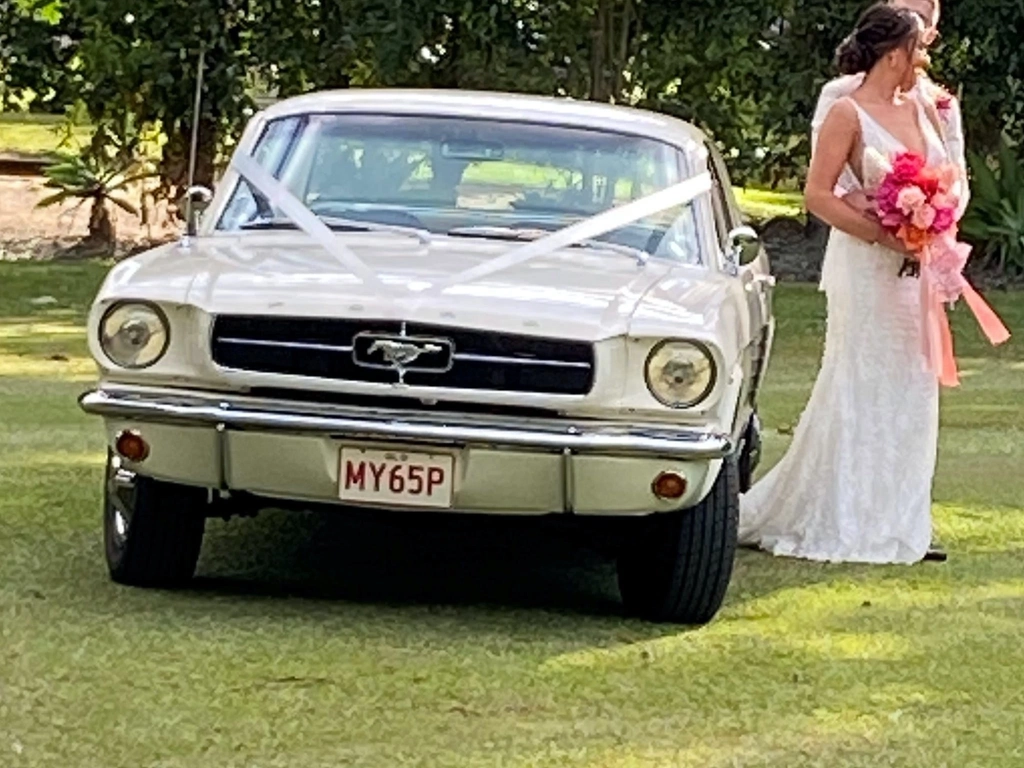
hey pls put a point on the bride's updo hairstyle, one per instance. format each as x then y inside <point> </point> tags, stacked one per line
<point>880,30</point>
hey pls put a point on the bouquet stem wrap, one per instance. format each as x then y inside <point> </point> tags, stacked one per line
<point>942,283</point>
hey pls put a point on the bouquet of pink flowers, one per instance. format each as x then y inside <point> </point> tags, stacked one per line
<point>918,204</point>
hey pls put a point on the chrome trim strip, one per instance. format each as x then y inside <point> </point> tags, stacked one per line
<point>237,412</point>
<point>285,344</point>
<point>468,357</point>
<point>471,358</point>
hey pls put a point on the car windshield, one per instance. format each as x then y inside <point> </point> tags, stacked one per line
<point>467,178</point>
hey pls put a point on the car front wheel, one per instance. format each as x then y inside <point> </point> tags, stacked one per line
<point>152,530</point>
<point>675,567</point>
<point>750,454</point>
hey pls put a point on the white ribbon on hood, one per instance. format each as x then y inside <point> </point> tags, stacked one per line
<point>594,226</point>
<point>280,197</point>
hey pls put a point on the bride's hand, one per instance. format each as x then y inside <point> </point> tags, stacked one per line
<point>860,202</point>
<point>888,240</point>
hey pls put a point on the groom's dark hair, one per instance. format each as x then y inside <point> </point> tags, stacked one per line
<point>880,30</point>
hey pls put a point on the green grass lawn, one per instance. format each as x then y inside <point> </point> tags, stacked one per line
<point>33,134</point>
<point>764,204</point>
<point>316,641</point>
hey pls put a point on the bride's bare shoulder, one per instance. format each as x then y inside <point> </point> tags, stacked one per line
<point>841,117</point>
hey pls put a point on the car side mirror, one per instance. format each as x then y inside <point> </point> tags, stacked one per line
<point>744,245</point>
<point>197,199</point>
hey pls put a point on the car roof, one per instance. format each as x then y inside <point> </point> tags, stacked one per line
<point>495,106</point>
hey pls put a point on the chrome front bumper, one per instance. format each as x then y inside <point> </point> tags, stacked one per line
<point>238,412</point>
<point>504,465</point>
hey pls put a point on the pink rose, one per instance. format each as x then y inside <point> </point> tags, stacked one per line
<point>887,195</point>
<point>923,216</point>
<point>893,220</point>
<point>910,199</point>
<point>949,176</point>
<point>942,99</point>
<point>945,218</point>
<point>906,166</point>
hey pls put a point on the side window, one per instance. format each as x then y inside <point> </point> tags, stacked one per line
<point>723,216</point>
<point>271,151</point>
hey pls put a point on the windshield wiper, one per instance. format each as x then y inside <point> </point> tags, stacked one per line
<point>340,224</point>
<point>487,232</point>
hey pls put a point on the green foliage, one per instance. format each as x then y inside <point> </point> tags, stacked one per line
<point>141,60</point>
<point>37,56</point>
<point>981,52</point>
<point>102,175</point>
<point>995,218</point>
<point>748,71</point>
<point>77,176</point>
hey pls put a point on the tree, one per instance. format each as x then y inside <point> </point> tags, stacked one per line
<point>38,49</point>
<point>748,71</point>
<point>141,60</point>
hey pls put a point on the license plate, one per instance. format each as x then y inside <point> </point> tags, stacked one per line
<point>396,478</point>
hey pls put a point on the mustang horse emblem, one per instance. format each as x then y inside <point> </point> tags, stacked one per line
<point>401,353</point>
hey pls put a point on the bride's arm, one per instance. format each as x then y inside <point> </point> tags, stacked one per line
<point>837,140</point>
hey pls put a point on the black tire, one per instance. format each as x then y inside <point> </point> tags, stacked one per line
<point>152,531</point>
<point>750,454</point>
<point>676,567</point>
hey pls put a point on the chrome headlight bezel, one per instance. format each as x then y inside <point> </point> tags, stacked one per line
<point>161,324</point>
<point>704,393</point>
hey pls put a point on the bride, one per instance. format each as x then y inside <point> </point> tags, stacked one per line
<point>855,484</point>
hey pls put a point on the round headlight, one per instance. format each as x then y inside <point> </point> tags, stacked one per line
<point>134,335</point>
<point>680,374</point>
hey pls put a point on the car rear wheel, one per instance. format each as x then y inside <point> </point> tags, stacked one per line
<point>152,530</point>
<point>676,567</point>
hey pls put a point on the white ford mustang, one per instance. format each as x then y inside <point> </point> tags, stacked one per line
<point>446,302</point>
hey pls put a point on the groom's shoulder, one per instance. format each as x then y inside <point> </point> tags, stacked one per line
<point>936,92</point>
<point>840,86</point>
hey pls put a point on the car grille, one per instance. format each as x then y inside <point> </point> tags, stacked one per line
<point>378,352</point>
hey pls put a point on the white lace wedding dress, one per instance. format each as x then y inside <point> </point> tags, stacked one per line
<point>855,484</point>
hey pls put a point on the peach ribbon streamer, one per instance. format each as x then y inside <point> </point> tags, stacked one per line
<point>942,283</point>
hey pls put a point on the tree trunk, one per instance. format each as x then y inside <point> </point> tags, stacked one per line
<point>622,54</point>
<point>599,44</point>
<point>101,225</point>
<point>175,160</point>
<point>610,46</point>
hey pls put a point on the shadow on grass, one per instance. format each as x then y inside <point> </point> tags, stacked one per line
<point>489,564</point>
<point>344,566</point>
<point>387,558</point>
<point>477,567</point>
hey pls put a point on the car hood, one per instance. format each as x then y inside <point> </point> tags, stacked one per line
<point>573,293</point>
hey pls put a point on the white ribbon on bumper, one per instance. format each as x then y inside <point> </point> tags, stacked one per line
<point>281,198</point>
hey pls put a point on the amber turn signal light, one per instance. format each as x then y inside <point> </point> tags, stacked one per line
<point>669,486</point>
<point>130,445</point>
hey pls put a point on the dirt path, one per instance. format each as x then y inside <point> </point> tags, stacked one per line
<point>29,232</point>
